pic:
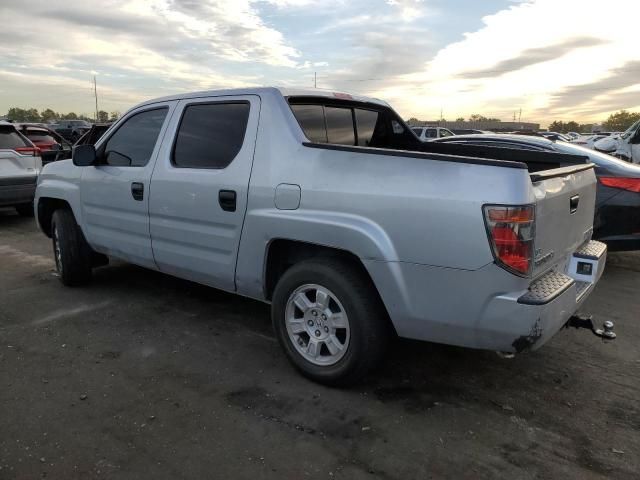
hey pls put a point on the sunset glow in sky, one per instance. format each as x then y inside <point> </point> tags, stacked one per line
<point>555,60</point>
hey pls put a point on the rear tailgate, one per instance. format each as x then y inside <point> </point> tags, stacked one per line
<point>565,203</point>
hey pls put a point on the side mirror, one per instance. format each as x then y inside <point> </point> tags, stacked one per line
<point>84,155</point>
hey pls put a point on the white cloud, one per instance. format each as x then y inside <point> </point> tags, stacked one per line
<point>409,9</point>
<point>510,38</point>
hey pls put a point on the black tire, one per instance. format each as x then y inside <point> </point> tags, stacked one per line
<point>367,318</point>
<point>73,262</point>
<point>24,209</point>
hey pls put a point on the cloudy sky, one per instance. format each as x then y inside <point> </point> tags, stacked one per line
<point>554,59</point>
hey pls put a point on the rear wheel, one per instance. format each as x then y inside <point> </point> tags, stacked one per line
<point>25,209</point>
<point>71,251</point>
<point>329,320</point>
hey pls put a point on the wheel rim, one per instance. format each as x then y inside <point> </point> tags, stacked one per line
<point>56,250</point>
<point>317,324</point>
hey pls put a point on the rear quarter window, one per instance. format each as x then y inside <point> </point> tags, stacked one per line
<point>339,126</point>
<point>311,120</point>
<point>10,139</point>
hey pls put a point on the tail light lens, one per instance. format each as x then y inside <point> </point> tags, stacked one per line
<point>511,230</point>
<point>33,151</point>
<point>631,184</point>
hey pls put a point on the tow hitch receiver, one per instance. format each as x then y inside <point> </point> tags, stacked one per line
<point>585,321</point>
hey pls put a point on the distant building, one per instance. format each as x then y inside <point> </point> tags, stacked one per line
<point>492,126</point>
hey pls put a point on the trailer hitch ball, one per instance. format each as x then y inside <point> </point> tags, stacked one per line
<point>607,330</point>
<point>585,321</point>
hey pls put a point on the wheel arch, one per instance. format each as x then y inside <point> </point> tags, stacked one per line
<point>46,207</point>
<point>283,253</point>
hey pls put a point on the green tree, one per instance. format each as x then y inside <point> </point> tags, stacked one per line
<point>413,121</point>
<point>481,118</point>
<point>621,120</point>
<point>460,119</point>
<point>557,126</point>
<point>572,126</point>
<point>68,116</point>
<point>114,116</point>
<point>49,115</point>
<point>17,114</point>
<point>103,116</point>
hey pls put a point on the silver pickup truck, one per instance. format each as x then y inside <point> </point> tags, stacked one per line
<point>327,206</point>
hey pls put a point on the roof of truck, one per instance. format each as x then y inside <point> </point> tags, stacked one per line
<point>284,91</point>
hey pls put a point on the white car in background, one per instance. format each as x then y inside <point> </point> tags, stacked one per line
<point>427,134</point>
<point>588,140</point>
<point>625,145</point>
<point>607,144</point>
<point>20,164</point>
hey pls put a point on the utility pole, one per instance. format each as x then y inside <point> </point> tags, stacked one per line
<point>315,79</point>
<point>95,92</point>
<point>520,115</point>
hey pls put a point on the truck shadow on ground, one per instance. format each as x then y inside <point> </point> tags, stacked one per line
<point>441,370</point>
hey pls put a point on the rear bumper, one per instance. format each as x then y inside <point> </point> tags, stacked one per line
<point>477,309</point>
<point>17,190</point>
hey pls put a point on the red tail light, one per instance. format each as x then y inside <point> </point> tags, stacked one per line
<point>33,151</point>
<point>631,184</point>
<point>511,231</point>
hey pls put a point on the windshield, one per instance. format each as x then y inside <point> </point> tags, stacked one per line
<point>630,130</point>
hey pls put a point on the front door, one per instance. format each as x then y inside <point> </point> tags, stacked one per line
<point>199,188</point>
<point>115,193</point>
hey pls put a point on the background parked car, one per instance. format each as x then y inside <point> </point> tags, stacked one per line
<point>72,130</point>
<point>588,140</point>
<point>617,218</point>
<point>555,136</point>
<point>625,145</point>
<point>20,165</point>
<point>468,131</point>
<point>93,134</point>
<point>427,134</point>
<point>52,146</point>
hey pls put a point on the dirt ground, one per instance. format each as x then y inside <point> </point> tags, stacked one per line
<point>142,375</point>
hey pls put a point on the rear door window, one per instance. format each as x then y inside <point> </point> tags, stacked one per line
<point>210,135</point>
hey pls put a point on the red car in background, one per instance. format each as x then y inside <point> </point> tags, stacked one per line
<point>50,143</point>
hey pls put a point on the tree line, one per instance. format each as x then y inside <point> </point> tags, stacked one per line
<point>48,115</point>
<point>617,122</point>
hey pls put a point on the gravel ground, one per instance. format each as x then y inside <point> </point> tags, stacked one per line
<point>142,375</point>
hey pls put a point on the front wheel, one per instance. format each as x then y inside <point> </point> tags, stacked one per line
<point>329,320</point>
<point>71,251</point>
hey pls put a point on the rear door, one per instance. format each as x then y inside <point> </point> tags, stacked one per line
<point>565,203</point>
<point>115,194</point>
<point>199,188</point>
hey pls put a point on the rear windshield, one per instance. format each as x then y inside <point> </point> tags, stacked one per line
<point>39,136</point>
<point>325,120</point>
<point>10,139</point>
